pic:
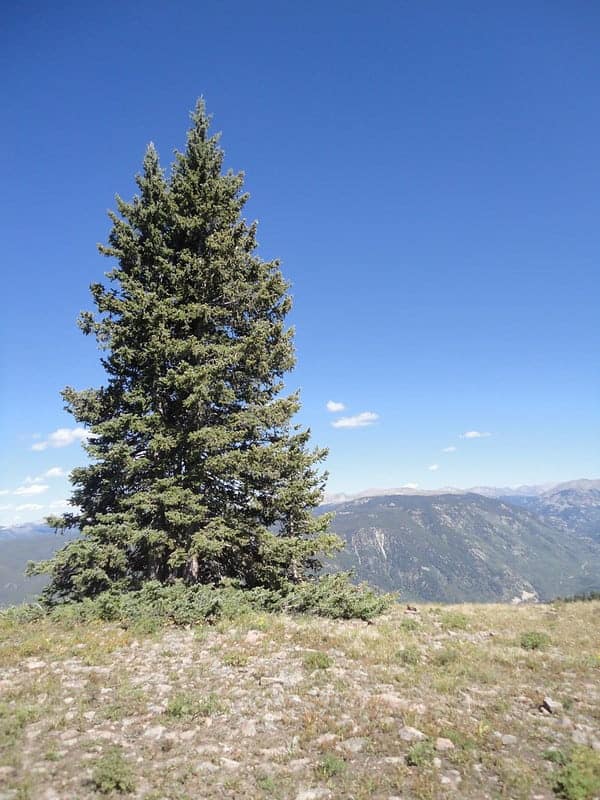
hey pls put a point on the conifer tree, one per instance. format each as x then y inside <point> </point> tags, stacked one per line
<point>196,470</point>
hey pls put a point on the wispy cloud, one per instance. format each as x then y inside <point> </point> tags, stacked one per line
<point>475,435</point>
<point>334,406</point>
<point>53,472</point>
<point>433,467</point>
<point>450,449</point>
<point>358,421</point>
<point>29,507</point>
<point>62,437</point>
<point>34,488</point>
<point>410,486</point>
<point>5,491</point>
<point>60,505</point>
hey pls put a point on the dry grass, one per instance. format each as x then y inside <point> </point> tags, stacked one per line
<point>272,707</point>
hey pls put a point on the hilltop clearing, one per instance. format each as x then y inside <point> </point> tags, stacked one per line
<point>467,701</point>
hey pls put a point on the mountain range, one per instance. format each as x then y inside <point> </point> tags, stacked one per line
<point>451,545</point>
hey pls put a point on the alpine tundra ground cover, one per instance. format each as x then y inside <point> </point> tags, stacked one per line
<point>486,701</point>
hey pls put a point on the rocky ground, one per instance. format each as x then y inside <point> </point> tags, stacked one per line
<point>463,702</point>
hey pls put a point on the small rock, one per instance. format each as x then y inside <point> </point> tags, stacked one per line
<point>437,762</point>
<point>33,663</point>
<point>442,745</point>
<point>229,763</point>
<point>155,732</point>
<point>566,723</point>
<point>353,745</point>
<point>553,706</point>
<point>68,735</point>
<point>7,772</point>
<point>408,734</point>
<point>326,738</point>
<point>248,728</point>
<point>508,739</point>
<point>391,700</point>
<point>254,637</point>
<point>313,794</point>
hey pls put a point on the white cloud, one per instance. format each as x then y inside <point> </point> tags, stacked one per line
<point>450,449</point>
<point>53,472</point>
<point>334,406</point>
<point>475,435</point>
<point>433,467</point>
<point>410,486</point>
<point>6,507</point>
<point>5,491</point>
<point>29,507</point>
<point>358,421</point>
<point>60,505</point>
<point>34,488</point>
<point>62,437</point>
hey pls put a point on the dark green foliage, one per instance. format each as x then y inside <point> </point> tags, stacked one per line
<point>579,777</point>
<point>335,596</point>
<point>330,766</point>
<point>112,773</point>
<point>534,640</point>
<point>317,660</point>
<point>178,603</point>
<point>420,754</point>
<point>196,471</point>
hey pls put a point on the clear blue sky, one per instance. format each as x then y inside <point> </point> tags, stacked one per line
<point>428,172</point>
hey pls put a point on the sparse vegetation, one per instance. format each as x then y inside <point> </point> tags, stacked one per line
<point>534,640</point>
<point>331,765</point>
<point>317,660</point>
<point>112,773</point>
<point>579,777</point>
<point>267,705</point>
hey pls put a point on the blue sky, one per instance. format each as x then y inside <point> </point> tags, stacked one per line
<point>428,173</point>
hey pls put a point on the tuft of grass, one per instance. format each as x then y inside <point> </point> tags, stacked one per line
<point>186,706</point>
<point>235,659</point>
<point>448,655</point>
<point>317,660</point>
<point>409,655</point>
<point>112,773</point>
<point>454,621</point>
<point>579,777</point>
<point>420,754</point>
<point>331,765</point>
<point>534,640</point>
<point>409,624</point>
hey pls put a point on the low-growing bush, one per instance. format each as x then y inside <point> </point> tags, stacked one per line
<point>579,777</point>
<point>317,660</point>
<point>534,640</point>
<point>156,604</point>
<point>112,773</point>
<point>420,754</point>
<point>336,597</point>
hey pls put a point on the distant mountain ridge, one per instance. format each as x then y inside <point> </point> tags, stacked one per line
<point>444,546</point>
<point>463,547</point>
<point>535,490</point>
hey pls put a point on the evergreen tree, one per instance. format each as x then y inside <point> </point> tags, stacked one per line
<point>196,469</point>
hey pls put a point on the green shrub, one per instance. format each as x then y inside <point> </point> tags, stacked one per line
<point>336,597</point>
<point>534,640</point>
<point>156,604</point>
<point>556,757</point>
<point>184,706</point>
<point>317,660</point>
<point>410,655</point>
<point>112,773</point>
<point>330,766</point>
<point>420,754</point>
<point>579,778</point>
